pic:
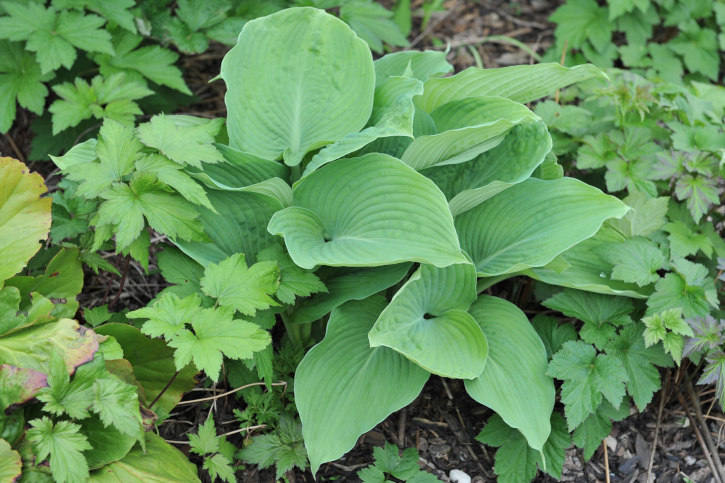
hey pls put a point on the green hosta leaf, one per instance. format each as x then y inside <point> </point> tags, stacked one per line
<point>293,281</point>
<point>468,184</point>
<point>584,20</point>
<point>127,205</point>
<point>54,36</point>
<point>177,268</point>
<point>552,334</point>
<point>10,463</point>
<point>514,382</point>
<point>116,149</point>
<point>160,463</point>
<point>587,377</point>
<point>307,108</point>
<point>246,289</point>
<point>153,362</point>
<point>239,170</point>
<point>107,443</point>
<point>427,323</point>
<point>467,127</point>
<point>392,116</point>
<point>246,216</point>
<point>24,216</point>
<point>64,445</point>
<point>373,23</point>
<point>343,387</point>
<point>110,97</point>
<point>588,271</point>
<point>423,65</point>
<point>385,213</point>
<point>597,426</point>
<point>184,145</point>
<point>521,83</point>
<point>345,284</point>
<point>21,80</point>
<point>501,240</point>
<point>690,289</point>
<point>515,461</point>
<point>168,315</point>
<point>206,442</point>
<point>215,333</point>
<point>592,308</point>
<point>644,378</point>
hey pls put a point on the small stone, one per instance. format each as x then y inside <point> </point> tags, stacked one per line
<point>690,460</point>
<point>611,442</point>
<point>458,476</point>
<point>423,444</point>
<point>439,449</point>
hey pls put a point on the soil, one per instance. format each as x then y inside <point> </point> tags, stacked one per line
<point>443,421</point>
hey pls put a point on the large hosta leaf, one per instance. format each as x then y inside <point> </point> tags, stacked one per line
<point>514,382</point>
<point>160,463</point>
<point>367,211</point>
<point>468,184</point>
<point>426,321</point>
<point>520,83</point>
<point>343,387</point>
<point>588,271</point>
<point>24,216</point>
<point>153,364</point>
<point>467,128</point>
<point>240,170</point>
<point>288,101</point>
<point>531,223</point>
<point>393,113</point>
<point>345,284</point>
<point>31,347</point>
<point>240,226</point>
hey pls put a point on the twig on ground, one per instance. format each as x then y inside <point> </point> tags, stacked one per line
<point>703,426</point>
<point>231,392</point>
<point>703,446</point>
<point>448,391</point>
<point>403,415</point>
<point>663,394</point>
<point>123,281</point>
<point>606,461</point>
<point>20,156</point>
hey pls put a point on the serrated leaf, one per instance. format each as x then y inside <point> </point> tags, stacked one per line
<point>686,289</point>
<point>589,435</point>
<point>373,23</point>
<point>581,21</point>
<point>72,398</point>
<point>636,260</point>
<point>10,463</point>
<point>206,441</point>
<point>169,315</point>
<point>587,377</point>
<point>699,191</point>
<point>215,333</point>
<point>173,175</point>
<point>591,307</point>
<point>219,465</point>
<point>685,241</point>
<point>116,403</point>
<point>714,373</point>
<point>184,145</point>
<point>244,289</point>
<point>552,334</point>
<point>64,444</point>
<point>707,334</point>
<point>293,281</point>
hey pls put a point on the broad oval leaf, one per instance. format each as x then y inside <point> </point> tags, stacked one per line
<point>468,184</point>
<point>367,211</point>
<point>344,388</point>
<point>466,128</point>
<point>108,444</point>
<point>588,271</point>
<point>313,92</point>
<point>10,463</point>
<point>24,216</point>
<point>514,382</point>
<point>532,222</point>
<point>240,226</point>
<point>345,284</point>
<point>160,463</point>
<point>427,323</point>
<point>520,83</point>
<point>240,170</point>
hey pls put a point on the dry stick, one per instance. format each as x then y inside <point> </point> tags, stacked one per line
<point>282,383</point>
<point>606,460</point>
<point>563,58</point>
<point>20,156</point>
<point>168,385</point>
<point>123,280</point>
<point>431,25</point>
<point>703,424</point>
<point>108,288</point>
<point>703,446</point>
<point>401,427</point>
<point>663,395</point>
<point>250,428</point>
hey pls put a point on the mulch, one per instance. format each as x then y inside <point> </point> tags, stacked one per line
<point>443,421</point>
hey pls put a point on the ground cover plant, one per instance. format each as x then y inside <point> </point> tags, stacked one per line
<point>335,241</point>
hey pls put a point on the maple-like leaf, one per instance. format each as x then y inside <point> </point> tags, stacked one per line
<point>597,426</point>
<point>636,260</point>
<point>689,288</point>
<point>592,307</point>
<point>173,174</point>
<point>708,334</point>
<point>184,145</point>
<point>206,441</point>
<point>64,444</point>
<point>116,403</point>
<point>587,377</point>
<point>700,192</point>
<point>714,373</point>
<point>246,289</point>
<point>294,281</point>
<point>685,241</point>
<point>75,397</point>
<point>168,315</point>
<point>553,334</point>
<point>216,334</point>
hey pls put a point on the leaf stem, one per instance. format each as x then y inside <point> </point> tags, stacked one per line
<point>281,383</point>
<point>293,331</point>
<point>123,281</point>
<point>108,288</point>
<point>168,385</point>
<point>484,283</point>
